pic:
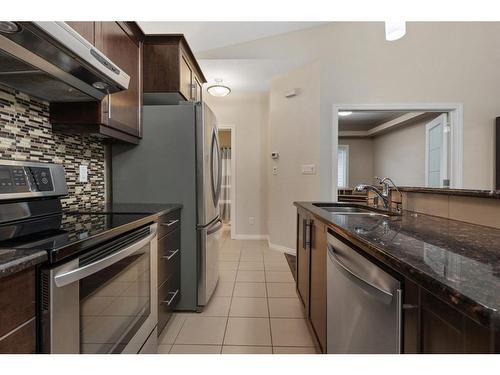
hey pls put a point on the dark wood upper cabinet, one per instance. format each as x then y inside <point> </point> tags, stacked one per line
<point>171,72</point>
<point>118,116</point>
<point>85,29</point>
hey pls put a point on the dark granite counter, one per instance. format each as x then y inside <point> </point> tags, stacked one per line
<point>12,260</point>
<point>456,261</point>
<point>492,194</point>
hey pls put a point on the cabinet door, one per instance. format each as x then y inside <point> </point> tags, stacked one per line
<point>122,110</point>
<point>85,29</point>
<point>185,79</point>
<point>318,281</point>
<point>303,259</point>
<point>197,89</point>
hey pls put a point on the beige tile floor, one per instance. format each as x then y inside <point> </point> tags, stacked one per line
<point>255,308</point>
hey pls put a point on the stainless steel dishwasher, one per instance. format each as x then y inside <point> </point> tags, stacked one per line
<point>363,304</point>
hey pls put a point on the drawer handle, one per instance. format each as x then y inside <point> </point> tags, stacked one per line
<point>174,294</point>
<point>172,253</point>
<point>170,223</point>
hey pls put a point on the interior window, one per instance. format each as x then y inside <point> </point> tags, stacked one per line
<point>343,166</point>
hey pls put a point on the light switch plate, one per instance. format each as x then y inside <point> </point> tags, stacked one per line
<point>308,169</point>
<point>83,177</point>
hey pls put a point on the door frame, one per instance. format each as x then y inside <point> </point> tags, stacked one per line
<point>232,195</point>
<point>455,119</point>
<point>428,126</point>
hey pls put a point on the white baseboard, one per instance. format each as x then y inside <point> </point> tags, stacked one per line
<point>282,249</point>
<point>250,237</point>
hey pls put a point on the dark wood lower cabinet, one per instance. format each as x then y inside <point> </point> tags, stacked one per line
<point>17,313</point>
<point>302,276</point>
<point>317,309</point>
<point>169,266</point>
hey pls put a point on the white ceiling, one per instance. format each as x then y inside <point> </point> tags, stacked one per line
<point>251,74</point>
<point>203,36</point>
<point>365,120</point>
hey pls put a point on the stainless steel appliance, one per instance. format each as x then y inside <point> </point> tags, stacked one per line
<point>98,289</point>
<point>363,304</point>
<point>179,160</point>
<point>53,62</point>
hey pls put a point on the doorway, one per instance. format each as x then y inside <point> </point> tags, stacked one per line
<point>227,197</point>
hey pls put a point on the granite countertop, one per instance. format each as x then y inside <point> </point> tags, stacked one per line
<point>492,194</point>
<point>456,261</point>
<point>14,260</point>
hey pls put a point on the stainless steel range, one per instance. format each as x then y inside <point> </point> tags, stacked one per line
<point>97,293</point>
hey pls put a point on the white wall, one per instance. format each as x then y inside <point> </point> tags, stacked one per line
<point>434,62</point>
<point>294,133</point>
<point>360,160</point>
<point>248,113</point>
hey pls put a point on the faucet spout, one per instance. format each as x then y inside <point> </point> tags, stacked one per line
<point>363,187</point>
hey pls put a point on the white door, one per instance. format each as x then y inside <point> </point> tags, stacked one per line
<point>436,152</point>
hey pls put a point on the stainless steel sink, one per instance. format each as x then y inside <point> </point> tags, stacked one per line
<point>350,209</point>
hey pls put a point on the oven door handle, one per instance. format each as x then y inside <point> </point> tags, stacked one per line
<point>67,277</point>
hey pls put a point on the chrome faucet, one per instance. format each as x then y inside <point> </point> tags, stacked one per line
<point>383,196</point>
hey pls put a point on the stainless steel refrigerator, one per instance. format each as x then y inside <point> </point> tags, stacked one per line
<point>178,161</point>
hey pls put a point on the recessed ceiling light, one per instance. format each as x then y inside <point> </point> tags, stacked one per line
<point>394,30</point>
<point>345,113</point>
<point>218,89</point>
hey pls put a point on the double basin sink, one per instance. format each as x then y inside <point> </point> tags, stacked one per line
<point>353,209</point>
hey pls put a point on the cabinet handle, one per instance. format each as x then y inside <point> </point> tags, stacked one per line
<point>109,105</point>
<point>174,294</point>
<point>170,223</point>
<point>307,233</point>
<point>172,253</point>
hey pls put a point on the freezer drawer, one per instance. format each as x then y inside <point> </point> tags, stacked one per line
<point>363,304</point>
<point>209,246</point>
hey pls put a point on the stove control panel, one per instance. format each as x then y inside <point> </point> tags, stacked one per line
<point>26,178</point>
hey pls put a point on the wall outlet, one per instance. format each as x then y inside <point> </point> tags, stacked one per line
<point>83,177</point>
<point>308,169</point>
<point>275,170</point>
<point>251,220</point>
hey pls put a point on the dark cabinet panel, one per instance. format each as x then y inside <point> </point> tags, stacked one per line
<point>85,29</point>
<point>17,313</point>
<point>303,259</point>
<point>171,71</point>
<point>17,300</point>
<point>318,281</point>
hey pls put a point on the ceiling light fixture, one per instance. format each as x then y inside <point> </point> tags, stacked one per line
<point>394,30</point>
<point>345,113</point>
<point>218,89</point>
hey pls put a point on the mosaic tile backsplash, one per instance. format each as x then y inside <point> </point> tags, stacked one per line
<point>26,134</point>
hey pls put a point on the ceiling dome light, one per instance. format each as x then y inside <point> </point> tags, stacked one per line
<point>218,89</point>
<point>394,30</point>
<point>345,113</point>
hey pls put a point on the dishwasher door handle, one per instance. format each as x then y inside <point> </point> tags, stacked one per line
<point>379,293</point>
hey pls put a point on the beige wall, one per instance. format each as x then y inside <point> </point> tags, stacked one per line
<point>360,160</point>
<point>294,133</point>
<point>248,113</point>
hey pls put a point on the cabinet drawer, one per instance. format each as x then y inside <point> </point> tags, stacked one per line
<point>21,341</point>
<point>17,300</point>
<point>169,223</point>
<point>169,255</point>
<point>168,297</point>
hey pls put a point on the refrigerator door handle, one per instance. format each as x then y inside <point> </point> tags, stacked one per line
<point>216,180</point>
<point>215,228</point>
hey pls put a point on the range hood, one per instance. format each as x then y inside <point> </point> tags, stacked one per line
<point>51,61</point>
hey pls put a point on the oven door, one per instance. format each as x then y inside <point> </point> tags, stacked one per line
<point>105,301</point>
